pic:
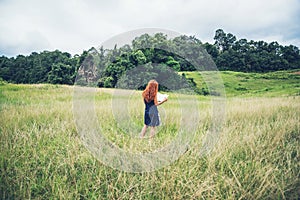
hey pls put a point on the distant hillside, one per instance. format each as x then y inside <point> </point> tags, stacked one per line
<point>280,83</point>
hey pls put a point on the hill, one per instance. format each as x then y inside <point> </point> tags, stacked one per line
<point>280,83</point>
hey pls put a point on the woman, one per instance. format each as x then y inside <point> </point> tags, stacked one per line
<point>151,116</point>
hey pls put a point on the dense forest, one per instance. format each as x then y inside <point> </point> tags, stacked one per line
<point>107,66</point>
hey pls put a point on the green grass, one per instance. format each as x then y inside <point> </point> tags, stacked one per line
<point>280,83</point>
<point>256,157</point>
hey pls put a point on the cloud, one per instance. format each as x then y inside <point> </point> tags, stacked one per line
<point>77,25</point>
<point>25,42</point>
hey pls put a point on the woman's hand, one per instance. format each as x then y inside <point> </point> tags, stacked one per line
<point>163,101</point>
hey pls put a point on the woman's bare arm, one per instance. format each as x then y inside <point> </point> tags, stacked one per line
<point>161,102</point>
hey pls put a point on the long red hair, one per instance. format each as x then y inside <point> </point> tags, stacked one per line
<point>150,92</point>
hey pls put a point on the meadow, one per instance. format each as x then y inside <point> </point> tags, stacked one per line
<point>256,155</point>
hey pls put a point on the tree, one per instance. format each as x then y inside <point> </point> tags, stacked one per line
<point>211,50</point>
<point>61,74</point>
<point>137,78</point>
<point>173,63</point>
<point>138,58</point>
<point>182,53</point>
<point>224,41</point>
<point>292,55</point>
<point>6,66</point>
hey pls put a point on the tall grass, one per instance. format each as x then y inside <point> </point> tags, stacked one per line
<point>42,156</point>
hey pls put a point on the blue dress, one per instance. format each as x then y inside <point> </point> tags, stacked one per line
<point>151,117</point>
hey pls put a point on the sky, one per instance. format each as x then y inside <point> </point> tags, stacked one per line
<point>72,26</point>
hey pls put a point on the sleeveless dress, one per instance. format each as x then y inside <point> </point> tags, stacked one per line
<point>151,117</point>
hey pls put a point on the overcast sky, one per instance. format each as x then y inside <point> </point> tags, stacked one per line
<point>77,25</point>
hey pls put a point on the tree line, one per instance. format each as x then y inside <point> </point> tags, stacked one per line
<point>106,67</point>
<point>53,67</point>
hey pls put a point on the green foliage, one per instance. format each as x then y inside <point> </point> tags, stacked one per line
<point>108,82</point>
<point>148,52</point>
<point>2,82</point>
<point>173,63</point>
<point>61,74</point>
<point>182,53</point>
<point>37,67</point>
<point>139,57</point>
<point>137,78</point>
<point>253,56</point>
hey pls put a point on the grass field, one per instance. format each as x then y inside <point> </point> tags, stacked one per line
<point>272,84</point>
<point>256,157</point>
